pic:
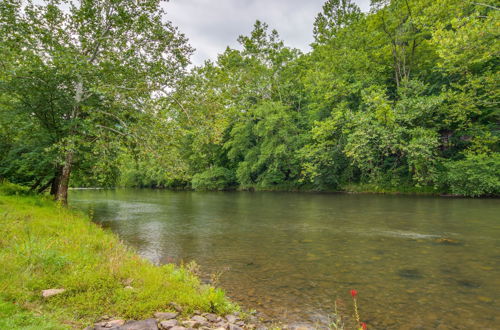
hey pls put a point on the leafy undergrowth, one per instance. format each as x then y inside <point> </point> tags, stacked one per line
<point>45,246</point>
<point>386,189</point>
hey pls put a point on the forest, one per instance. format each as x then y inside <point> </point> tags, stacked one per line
<point>404,98</point>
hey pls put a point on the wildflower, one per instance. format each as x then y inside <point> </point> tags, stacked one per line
<point>354,293</point>
<point>363,326</point>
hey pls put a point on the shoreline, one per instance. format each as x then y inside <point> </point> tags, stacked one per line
<point>308,191</point>
<point>75,274</point>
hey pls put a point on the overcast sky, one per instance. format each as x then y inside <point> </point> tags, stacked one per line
<point>211,25</point>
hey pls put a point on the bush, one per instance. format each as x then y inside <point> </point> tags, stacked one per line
<point>476,175</point>
<point>8,189</point>
<point>216,178</point>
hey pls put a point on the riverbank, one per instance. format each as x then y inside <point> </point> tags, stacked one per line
<point>355,188</point>
<point>44,246</point>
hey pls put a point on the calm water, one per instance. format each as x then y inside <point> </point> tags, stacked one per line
<point>291,255</point>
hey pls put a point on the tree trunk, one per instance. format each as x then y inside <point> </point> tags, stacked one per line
<point>36,184</point>
<point>45,186</point>
<point>62,188</point>
<point>55,181</point>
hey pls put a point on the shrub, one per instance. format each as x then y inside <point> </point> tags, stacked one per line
<point>476,175</point>
<point>8,189</point>
<point>216,178</point>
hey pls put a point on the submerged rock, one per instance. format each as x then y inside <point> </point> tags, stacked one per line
<point>469,284</point>
<point>410,273</point>
<point>447,241</point>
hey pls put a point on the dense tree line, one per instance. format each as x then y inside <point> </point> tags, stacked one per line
<point>403,98</point>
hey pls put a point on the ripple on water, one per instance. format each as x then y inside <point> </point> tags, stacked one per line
<point>291,256</point>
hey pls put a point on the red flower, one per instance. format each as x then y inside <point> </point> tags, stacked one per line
<point>354,293</point>
<point>363,325</point>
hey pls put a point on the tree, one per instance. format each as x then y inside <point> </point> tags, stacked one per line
<point>86,70</point>
<point>336,15</point>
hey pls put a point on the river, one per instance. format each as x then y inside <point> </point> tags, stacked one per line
<point>417,262</point>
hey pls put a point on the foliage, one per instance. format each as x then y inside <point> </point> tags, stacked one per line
<point>79,77</point>
<point>475,175</point>
<point>386,100</point>
<point>47,246</point>
<point>8,189</point>
<point>217,178</point>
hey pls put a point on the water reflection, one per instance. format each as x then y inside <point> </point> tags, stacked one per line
<point>418,262</point>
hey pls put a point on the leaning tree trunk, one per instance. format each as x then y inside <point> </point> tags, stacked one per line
<point>62,188</point>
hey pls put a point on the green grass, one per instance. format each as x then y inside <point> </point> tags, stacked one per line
<point>43,246</point>
<point>13,316</point>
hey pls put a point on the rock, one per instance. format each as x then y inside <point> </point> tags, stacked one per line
<point>469,284</point>
<point>52,292</point>
<point>99,326</point>
<point>128,287</point>
<point>190,324</point>
<point>177,328</point>
<point>221,324</point>
<point>220,328</point>
<point>447,241</point>
<point>149,324</point>
<point>176,307</point>
<point>234,327</point>
<point>410,273</point>
<point>253,319</point>
<point>114,323</point>
<point>168,324</point>
<point>211,317</point>
<point>199,319</point>
<point>484,299</point>
<point>231,318</point>
<point>166,315</point>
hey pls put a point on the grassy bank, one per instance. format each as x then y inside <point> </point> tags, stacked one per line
<point>45,246</point>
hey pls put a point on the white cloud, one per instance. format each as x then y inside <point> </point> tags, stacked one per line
<point>211,25</point>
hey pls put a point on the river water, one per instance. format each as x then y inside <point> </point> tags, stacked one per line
<point>417,262</point>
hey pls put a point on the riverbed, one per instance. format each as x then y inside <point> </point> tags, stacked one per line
<point>417,262</point>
